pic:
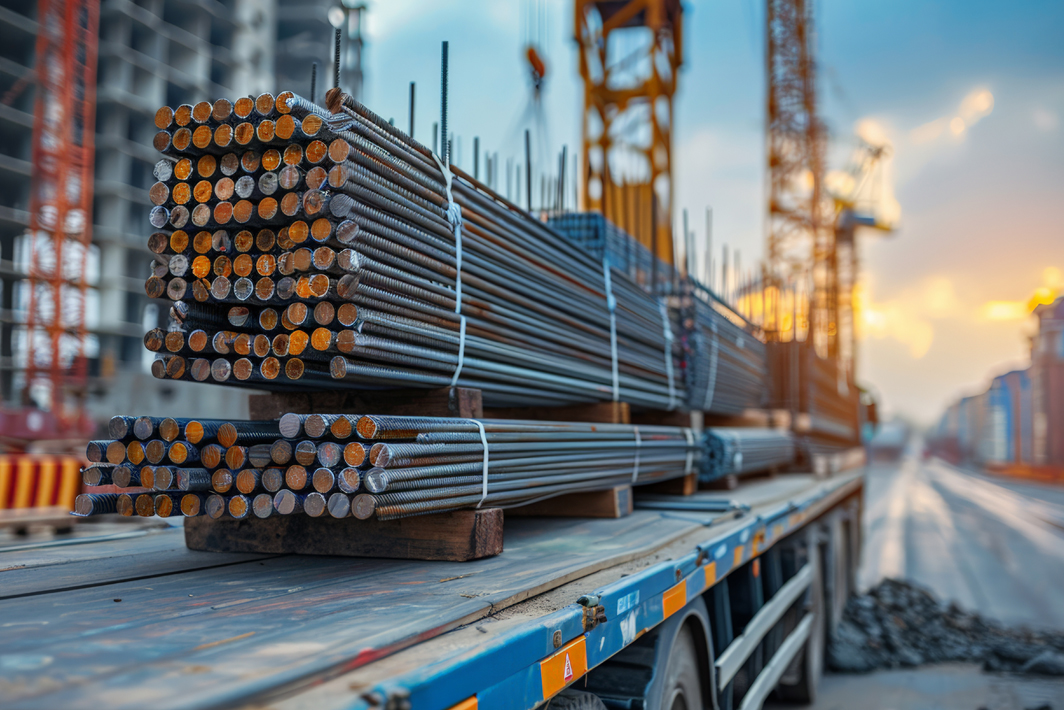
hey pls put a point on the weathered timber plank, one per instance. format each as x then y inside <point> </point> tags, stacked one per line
<point>674,487</point>
<point>661,418</point>
<point>457,536</point>
<point>724,483</point>
<point>613,503</point>
<point>605,412</point>
<point>54,516</point>
<point>250,628</point>
<point>49,570</point>
<point>443,402</point>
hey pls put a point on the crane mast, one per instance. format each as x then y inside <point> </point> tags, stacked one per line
<point>630,54</point>
<point>800,241</point>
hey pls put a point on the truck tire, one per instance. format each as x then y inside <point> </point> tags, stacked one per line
<point>808,665</point>
<point>670,668</point>
<point>682,689</point>
<point>572,699</point>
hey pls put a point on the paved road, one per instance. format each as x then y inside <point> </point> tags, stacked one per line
<point>993,545</point>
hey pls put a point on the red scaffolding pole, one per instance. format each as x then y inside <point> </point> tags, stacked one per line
<point>60,229</point>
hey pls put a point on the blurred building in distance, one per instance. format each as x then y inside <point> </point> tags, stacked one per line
<point>1017,424</point>
<point>151,53</point>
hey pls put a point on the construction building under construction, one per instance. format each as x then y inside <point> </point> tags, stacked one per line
<point>149,53</point>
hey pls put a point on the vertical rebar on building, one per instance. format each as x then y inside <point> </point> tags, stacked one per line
<point>444,141</point>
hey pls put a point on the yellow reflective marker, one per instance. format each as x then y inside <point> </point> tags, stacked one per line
<point>739,555</point>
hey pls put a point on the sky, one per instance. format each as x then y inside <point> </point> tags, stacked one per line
<point>970,96</point>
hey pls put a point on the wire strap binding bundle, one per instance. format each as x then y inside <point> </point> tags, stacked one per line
<point>381,467</point>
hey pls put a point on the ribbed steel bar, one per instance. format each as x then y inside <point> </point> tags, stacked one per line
<point>538,328</point>
<point>339,465</point>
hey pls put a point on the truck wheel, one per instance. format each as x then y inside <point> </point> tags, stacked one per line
<point>682,689</point>
<point>571,699</point>
<point>800,681</point>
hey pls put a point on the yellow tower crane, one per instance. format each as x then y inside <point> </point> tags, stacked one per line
<point>630,55</point>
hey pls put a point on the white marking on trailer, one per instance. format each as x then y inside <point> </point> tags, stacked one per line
<point>628,629</point>
<point>721,551</point>
<point>628,601</point>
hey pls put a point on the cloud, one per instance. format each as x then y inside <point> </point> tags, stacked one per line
<point>1045,120</point>
<point>1004,310</point>
<point>913,316</point>
<point>908,318</point>
<point>977,105</point>
<point>1051,288</point>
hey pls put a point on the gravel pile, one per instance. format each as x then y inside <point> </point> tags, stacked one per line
<point>900,625</point>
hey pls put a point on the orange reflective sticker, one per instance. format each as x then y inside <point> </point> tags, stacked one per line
<point>565,666</point>
<point>711,574</point>
<point>758,541</point>
<point>467,704</point>
<point>739,555</point>
<point>674,599</point>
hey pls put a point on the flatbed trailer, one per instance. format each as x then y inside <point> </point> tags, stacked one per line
<point>723,594</point>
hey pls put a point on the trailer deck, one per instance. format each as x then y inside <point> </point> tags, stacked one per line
<point>141,620</point>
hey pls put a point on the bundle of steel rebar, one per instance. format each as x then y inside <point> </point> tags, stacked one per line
<point>725,366</point>
<point>728,451</point>
<point>304,247</point>
<point>368,466</point>
<point>725,360</point>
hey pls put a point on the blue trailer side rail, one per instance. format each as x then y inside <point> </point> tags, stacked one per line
<point>526,666</point>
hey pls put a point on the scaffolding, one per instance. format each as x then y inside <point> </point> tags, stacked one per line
<point>60,212</point>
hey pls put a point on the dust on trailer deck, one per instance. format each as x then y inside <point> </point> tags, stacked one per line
<point>143,622</point>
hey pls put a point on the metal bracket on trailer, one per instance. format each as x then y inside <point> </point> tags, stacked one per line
<point>732,659</point>
<point>768,678</point>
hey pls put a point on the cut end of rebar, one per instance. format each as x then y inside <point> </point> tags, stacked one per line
<point>83,505</point>
<point>314,505</point>
<point>362,506</point>
<point>349,480</point>
<point>262,505</point>
<point>227,434</point>
<point>355,454</point>
<point>334,99</point>
<point>339,505</point>
<point>190,505</point>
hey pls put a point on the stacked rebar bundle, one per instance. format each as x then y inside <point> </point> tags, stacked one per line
<point>382,467</point>
<point>304,247</point>
<point>725,361</point>
<point>725,368</point>
<point>735,451</point>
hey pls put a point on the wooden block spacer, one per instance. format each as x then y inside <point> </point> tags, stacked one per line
<point>613,503</point>
<point>456,536</point>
